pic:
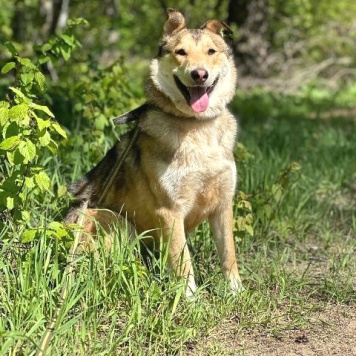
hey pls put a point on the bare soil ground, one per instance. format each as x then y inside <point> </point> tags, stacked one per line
<point>330,332</point>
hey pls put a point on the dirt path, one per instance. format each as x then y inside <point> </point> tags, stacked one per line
<point>332,332</point>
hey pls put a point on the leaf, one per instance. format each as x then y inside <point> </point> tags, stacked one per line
<point>29,182</point>
<point>4,115</point>
<point>4,104</point>
<point>27,63</point>
<point>65,51</point>
<point>19,111</point>
<point>10,157</point>
<point>53,147</point>
<point>43,59</point>
<point>10,203</point>
<point>41,81</point>
<point>76,22</point>
<point>27,150</point>
<point>29,235</point>
<point>25,215</point>
<point>42,124</point>
<point>248,205</point>
<point>46,47</point>
<point>4,133</point>
<point>45,139</point>
<point>295,166</point>
<point>240,223</point>
<point>10,143</point>
<point>26,78</point>
<point>277,192</point>
<point>100,122</point>
<point>7,67</point>
<point>68,40</point>
<point>41,108</point>
<point>249,219</point>
<point>58,228</point>
<point>249,229</point>
<point>244,204</point>
<point>42,181</point>
<point>18,93</point>
<point>10,46</point>
<point>58,129</point>
<point>61,191</point>
<point>266,211</point>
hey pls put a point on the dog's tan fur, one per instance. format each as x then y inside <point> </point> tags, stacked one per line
<point>180,170</point>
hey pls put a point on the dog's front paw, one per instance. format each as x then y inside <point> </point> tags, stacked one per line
<point>236,285</point>
<point>191,287</point>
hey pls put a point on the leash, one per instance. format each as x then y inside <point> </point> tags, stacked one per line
<point>118,165</point>
<point>133,115</point>
<point>69,271</point>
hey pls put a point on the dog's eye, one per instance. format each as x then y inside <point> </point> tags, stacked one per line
<point>211,51</point>
<point>181,52</point>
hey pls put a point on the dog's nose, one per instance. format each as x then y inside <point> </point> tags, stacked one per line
<point>199,75</point>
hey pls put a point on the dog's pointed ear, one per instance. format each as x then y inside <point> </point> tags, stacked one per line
<point>219,28</point>
<point>174,23</point>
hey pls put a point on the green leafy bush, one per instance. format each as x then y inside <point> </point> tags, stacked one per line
<point>29,135</point>
<point>27,131</point>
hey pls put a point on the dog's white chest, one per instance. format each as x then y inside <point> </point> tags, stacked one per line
<point>195,173</point>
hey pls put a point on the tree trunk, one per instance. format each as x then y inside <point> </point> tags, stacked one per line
<point>54,14</point>
<point>252,46</point>
<point>18,21</point>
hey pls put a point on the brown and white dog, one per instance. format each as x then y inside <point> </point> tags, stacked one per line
<point>180,170</point>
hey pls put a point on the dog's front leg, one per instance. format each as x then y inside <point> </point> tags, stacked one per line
<point>221,223</point>
<point>179,260</point>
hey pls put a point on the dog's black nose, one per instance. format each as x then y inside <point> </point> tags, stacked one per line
<point>199,75</point>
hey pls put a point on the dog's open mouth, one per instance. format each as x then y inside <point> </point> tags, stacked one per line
<point>197,96</point>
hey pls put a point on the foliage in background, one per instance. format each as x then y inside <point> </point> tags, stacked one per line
<point>295,33</point>
<point>305,32</point>
<point>87,105</point>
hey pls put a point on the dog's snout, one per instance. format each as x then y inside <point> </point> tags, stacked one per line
<point>200,75</point>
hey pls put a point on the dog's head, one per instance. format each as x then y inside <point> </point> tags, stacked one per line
<point>195,67</point>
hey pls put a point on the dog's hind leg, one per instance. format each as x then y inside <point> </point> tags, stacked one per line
<point>96,220</point>
<point>221,223</point>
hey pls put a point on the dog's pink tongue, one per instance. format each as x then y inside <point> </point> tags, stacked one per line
<point>199,99</point>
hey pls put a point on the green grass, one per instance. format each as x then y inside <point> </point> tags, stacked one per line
<point>300,258</point>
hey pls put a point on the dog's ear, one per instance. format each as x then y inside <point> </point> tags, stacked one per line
<point>218,27</point>
<point>174,23</point>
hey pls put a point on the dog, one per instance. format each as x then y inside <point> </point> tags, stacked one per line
<point>179,170</point>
